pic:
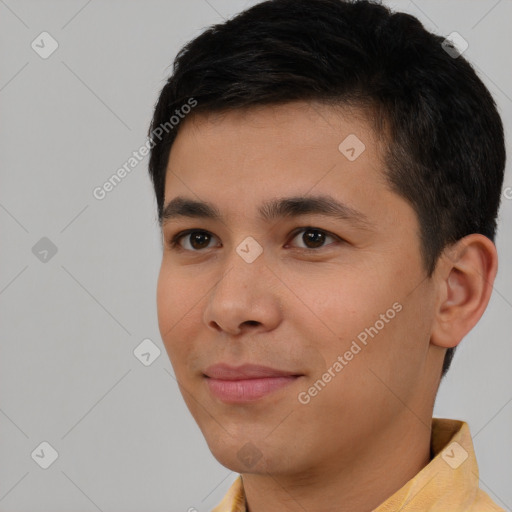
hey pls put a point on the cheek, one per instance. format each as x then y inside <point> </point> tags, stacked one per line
<point>166,303</point>
<point>177,308</point>
<point>338,303</point>
<point>362,310</point>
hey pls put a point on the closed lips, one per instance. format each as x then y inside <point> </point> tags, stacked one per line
<point>245,372</point>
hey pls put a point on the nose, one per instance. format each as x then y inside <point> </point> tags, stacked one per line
<point>246,298</point>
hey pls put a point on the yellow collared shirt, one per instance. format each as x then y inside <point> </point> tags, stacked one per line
<point>451,475</point>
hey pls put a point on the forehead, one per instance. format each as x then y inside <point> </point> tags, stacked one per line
<point>279,133</point>
<point>241,157</point>
<point>293,124</point>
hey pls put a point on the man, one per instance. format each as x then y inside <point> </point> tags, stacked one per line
<point>327,193</point>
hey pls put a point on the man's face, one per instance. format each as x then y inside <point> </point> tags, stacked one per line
<point>338,306</point>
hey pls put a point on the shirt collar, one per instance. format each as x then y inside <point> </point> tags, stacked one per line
<point>449,482</point>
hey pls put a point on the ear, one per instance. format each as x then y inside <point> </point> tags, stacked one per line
<point>464,277</point>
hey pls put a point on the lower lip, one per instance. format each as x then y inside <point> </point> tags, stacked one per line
<point>248,390</point>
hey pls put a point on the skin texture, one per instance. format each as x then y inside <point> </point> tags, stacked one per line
<point>367,432</point>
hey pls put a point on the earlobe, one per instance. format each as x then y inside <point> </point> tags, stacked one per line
<point>465,275</point>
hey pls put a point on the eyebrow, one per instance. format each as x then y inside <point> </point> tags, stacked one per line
<point>182,207</point>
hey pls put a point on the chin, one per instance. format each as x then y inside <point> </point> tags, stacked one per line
<point>246,456</point>
<point>241,456</point>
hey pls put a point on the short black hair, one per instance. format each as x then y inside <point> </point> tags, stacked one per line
<point>444,137</point>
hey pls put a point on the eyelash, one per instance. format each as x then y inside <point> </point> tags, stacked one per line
<point>175,240</point>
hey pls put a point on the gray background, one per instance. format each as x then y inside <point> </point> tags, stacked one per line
<point>69,325</point>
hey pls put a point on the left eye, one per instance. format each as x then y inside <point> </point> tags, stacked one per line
<point>196,240</point>
<point>313,237</point>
